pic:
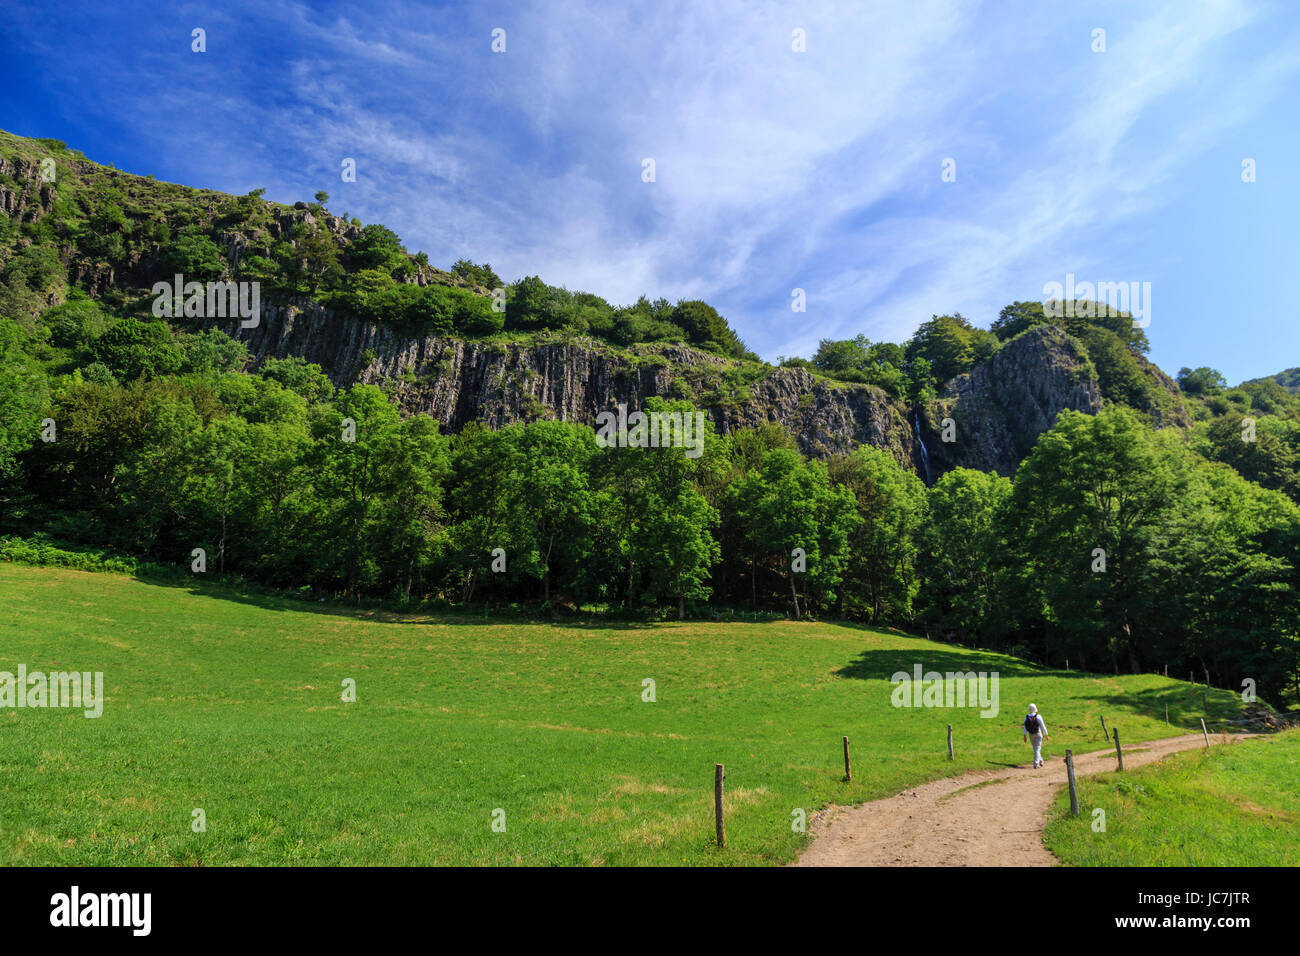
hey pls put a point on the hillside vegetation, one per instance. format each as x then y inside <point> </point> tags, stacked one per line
<point>231,703</point>
<point>1120,544</point>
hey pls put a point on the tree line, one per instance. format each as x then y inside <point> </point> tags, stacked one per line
<point>1115,547</point>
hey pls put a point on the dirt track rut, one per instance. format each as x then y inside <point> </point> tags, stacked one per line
<point>983,818</point>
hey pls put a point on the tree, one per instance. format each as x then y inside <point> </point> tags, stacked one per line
<point>311,260</point>
<point>653,516</point>
<point>1095,508</point>
<point>351,477</point>
<point>949,343</point>
<point>845,355</point>
<point>75,323</point>
<point>480,276</point>
<point>705,327</point>
<point>195,257</point>
<point>322,196</point>
<point>961,544</point>
<point>891,505</point>
<point>378,247</point>
<point>131,348</point>
<point>212,352</point>
<point>298,375</point>
<point>1201,381</point>
<point>790,504</point>
<point>549,497</point>
<point>1018,317</point>
<point>23,398</point>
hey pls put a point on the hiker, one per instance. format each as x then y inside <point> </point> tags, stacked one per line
<point>1035,732</point>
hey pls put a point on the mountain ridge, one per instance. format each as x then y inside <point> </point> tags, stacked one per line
<point>115,234</point>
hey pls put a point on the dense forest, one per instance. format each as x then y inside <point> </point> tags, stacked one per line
<point>1162,531</point>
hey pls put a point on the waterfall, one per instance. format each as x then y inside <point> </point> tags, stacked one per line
<point>925,455</point>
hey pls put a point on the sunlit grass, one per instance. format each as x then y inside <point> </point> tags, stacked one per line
<point>232,703</point>
<point>1228,806</point>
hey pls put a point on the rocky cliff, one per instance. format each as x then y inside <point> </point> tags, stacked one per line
<point>997,410</point>
<point>1001,407</point>
<point>574,378</point>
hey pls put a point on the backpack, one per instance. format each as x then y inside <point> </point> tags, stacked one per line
<point>1031,723</point>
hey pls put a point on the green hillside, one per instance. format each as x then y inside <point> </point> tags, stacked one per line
<point>230,703</point>
<point>1288,379</point>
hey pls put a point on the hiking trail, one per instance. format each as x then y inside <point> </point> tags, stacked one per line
<point>982,818</point>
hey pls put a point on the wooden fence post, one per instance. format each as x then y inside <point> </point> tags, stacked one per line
<point>1074,792</point>
<point>1118,753</point>
<point>848,770</point>
<point>1166,713</point>
<point>1207,734</point>
<point>1104,732</point>
<point>719,825</point>
<point>950,756</point>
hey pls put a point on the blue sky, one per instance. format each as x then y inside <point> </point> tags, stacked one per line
<point>775,169</point>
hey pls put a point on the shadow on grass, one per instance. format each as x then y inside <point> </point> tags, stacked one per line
<point>884,664</point>
<point>369,609</point>
<point>1186,703</point>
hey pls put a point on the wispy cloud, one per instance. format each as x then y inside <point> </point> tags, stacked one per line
<point>775,168</point>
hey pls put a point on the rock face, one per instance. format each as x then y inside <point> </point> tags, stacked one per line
<point>1001,407</point>
<point>459,381</point>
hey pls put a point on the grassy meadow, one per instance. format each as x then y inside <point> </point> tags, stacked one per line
<point>231,703</point>
<point>1230,806</point>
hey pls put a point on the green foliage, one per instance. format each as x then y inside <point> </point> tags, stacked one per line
<point>76,323</point>
<point>960,545</point>
<point>477,275</point>
<point>131,348</point>
<point>23,398</point>
<point>1018,317</point>
<point>310,260</point>
<point>706,328</point>
<point>195,257</point>
<point>882,579</point>
<point>378,247</point>
<point>299,376</point>
<point>858,360</point>
<point>211,352</point>
<point>788,504</point>
<point>951,346</point>
<point>1201,381</point>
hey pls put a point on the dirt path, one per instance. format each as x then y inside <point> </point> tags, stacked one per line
<point>984,818</point>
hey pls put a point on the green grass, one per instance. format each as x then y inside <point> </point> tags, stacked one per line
<point>230,702</point>
<point>1229,806</point>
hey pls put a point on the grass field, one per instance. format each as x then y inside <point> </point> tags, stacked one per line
<point>1230,806</point>
<point>231,704</point>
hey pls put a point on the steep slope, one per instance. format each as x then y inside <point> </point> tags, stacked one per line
<point>1287,378</point>
<point>574,378</point>
<point>72,222</point>
<point>1001,407</point>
